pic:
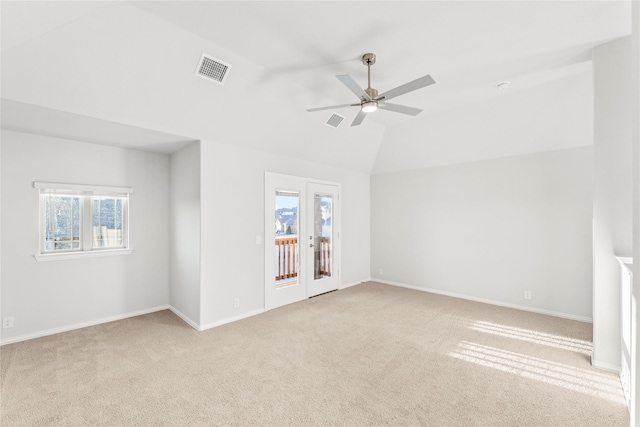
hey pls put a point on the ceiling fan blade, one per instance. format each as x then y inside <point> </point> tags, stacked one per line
<point>311,110</point>
<point>408,87</point>
<point>359,118</point>
<point>353,87</point>
<point>400,109</point>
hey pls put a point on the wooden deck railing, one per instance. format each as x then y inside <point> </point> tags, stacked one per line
<point>287,253</point>
<point>325,256</point>
<point>286,263</point>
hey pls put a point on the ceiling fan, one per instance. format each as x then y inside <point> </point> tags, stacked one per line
<point>370,101</point>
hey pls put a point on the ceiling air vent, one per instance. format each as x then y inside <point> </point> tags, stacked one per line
<point>213,69</point>
<point>335,120</point>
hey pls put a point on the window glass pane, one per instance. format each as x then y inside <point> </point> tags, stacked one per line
<point>107,222</point>
<point>286,228</point>
<point>62,223</point>
<point>323,233</point>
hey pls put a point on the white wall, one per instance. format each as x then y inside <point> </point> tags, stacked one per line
<point>57,295</point>
<point>1,312</point>
<point>635,120</point>
<point>612,202</point>
<point>232,201</point>
<point>207,205</point>
<point>490,230</point>
<point>184,223</point>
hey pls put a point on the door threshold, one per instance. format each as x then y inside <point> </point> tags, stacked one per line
<point>324,293</point>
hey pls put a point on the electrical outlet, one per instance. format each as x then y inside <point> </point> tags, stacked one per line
<point>7,322</point>
<point>527,294</point>
<point>236,302</point>
<point>380,271</point>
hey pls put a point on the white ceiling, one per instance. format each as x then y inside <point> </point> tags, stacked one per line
<point>131,65</point>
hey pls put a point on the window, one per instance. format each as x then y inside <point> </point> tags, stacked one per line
<point>61,222</point>
<point>108,221</point>
<point>79,220</point>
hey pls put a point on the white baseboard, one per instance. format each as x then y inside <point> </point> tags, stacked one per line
<point>231,319</point>
<point>488,301</point>
<point>605,366</point>
<point>81,325</point>
<point>248,314</point>
<point>348,285</point>
<point>198,327</point>
<point>186,318</point>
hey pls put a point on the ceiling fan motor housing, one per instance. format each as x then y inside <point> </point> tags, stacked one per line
<point>373,93</point>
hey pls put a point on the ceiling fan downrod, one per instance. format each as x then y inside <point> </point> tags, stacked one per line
<point>371,105</point>
<point>369,59</point>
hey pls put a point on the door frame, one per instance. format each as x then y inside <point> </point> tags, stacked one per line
<point>269,234</point>
<point>325,284</point>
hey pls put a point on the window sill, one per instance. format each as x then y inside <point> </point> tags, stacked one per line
<point>83,254</point>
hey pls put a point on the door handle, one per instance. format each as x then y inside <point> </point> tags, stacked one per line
<point>310,245</point>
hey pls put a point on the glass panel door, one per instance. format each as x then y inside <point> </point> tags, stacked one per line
<point>285,280</point>
<point>323,238</point>
<point>302,236</point>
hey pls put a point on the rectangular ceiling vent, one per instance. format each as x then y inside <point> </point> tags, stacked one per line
<point>335,120</point>
<point>213,69</point>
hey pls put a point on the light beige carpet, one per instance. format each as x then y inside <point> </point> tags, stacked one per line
<point>368,355</point>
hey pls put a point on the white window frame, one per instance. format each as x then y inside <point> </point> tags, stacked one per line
<point>86,194</point>
<point>88,233</point>
<point>43,195</point>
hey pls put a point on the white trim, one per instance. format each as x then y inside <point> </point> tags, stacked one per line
<point>605,366</point>
<point>232,319</point>
<point>321,286</point>
<point>348,285</point>
<point>184,317</point>
<point>98,189</point>
<point>268,264</point>
<point>82,325</point>
<point>488,301</point>
<point>59,256</point>
<point>305,179</point>
<point>300,183</point>
<point>86,229</point>
<point>625,259</point>
<point>626,263</point>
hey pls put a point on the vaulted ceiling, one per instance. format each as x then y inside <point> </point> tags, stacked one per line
<point>123,73</point>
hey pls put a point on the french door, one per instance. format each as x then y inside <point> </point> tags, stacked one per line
<point>321,217</point>
<point>301,239</point>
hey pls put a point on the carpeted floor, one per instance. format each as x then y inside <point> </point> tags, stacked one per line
<point>367,355</point>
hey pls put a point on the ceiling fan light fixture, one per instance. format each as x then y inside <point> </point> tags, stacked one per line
<point>369,106</point>
<point>368,99</point>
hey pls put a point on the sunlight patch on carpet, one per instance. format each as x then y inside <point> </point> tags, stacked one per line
<point>558,374</point>
<point>550,340</point>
